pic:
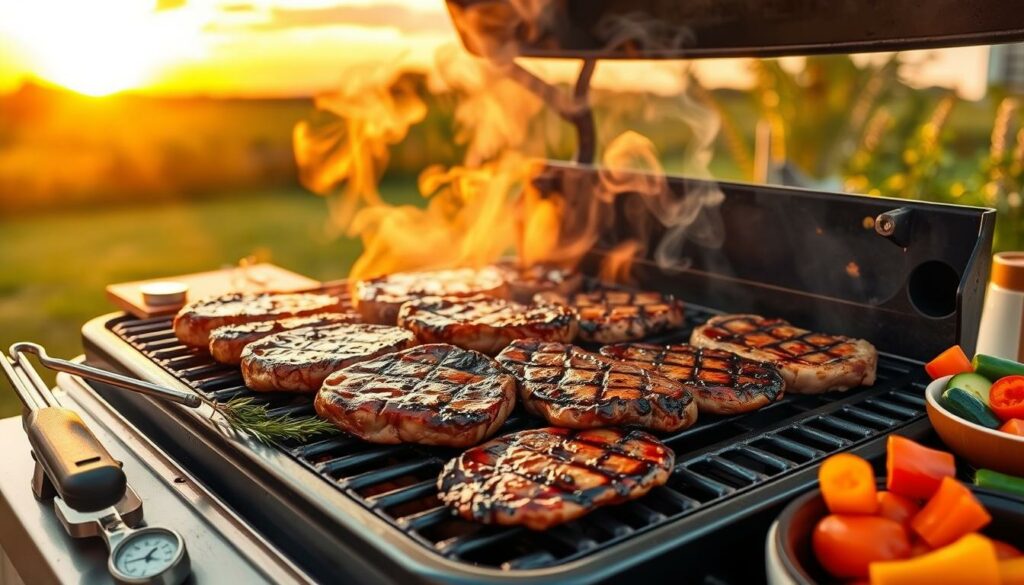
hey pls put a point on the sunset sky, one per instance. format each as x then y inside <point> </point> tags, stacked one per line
<point>291,47</point>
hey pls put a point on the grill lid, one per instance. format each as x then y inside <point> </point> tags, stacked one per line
<point>660,29</point>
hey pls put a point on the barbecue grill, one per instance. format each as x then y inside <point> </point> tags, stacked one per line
<point>378,503</point>
<point>908,276</point>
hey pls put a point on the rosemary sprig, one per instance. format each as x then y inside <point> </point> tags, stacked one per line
<point>241,414</point>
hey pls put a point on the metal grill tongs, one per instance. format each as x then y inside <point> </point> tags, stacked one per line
<point>18,352</point>
<point>70,459</point>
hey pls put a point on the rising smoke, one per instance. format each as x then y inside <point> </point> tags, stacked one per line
<point>489,206</point>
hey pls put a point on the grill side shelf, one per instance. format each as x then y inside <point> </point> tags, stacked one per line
<point>718,459</point>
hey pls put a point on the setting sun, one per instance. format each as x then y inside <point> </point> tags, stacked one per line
<point>101,47</point>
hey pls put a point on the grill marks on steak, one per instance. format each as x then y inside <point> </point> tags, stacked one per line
<point>721,381</point>
<point>542,477</point>
<point>228,342</point>
<point>810,362</point>
<point>195,321</point>
<point>524,283</point>
<point>299,360</point>
<point>613,316</point>
<point>379,299</point>
<point>485,324</point>
<point>434,394</point>
<point>573,388</point>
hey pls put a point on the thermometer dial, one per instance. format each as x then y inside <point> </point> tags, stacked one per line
<point>150,556</point>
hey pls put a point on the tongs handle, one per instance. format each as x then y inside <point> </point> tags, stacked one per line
<point>19,349</point>
<point>81,470</point>
<point>75,463</point>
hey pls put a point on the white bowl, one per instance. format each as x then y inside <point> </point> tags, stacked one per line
<point>983,447</point>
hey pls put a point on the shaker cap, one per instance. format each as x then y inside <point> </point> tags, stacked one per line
<point>1008,270</point>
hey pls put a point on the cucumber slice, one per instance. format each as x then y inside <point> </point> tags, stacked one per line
<point>972,382</point>
<point>968,406</point>
<point>994,368</point>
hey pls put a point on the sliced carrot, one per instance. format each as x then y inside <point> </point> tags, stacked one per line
<point>972,559</point>
<point>915,471</point>
<point>1014,426</point>
<point>896,507</point>
<point>848,485</point>
<point>951,513</point>
<point>948,363</point>
<point>1011,571</point>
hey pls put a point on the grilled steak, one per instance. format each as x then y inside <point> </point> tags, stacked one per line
<point>227,343</point>
<point>612,316</point>
<point>195,321</point>
<point>810,362</point>
<point>299,360</point>
<point>573,388</point>
<point>524,283</point>
<point>485,324</point>
<point>379,299</point>
<point>543,477</point>
<point>721,381</point>
<point>434,394</point>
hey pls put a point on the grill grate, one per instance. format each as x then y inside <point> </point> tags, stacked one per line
<point>716,459</point>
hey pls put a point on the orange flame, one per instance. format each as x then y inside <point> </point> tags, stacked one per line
<point>489,206</point>
<point>347,144</point>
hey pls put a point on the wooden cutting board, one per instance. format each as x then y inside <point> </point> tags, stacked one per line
<point>252,278</point>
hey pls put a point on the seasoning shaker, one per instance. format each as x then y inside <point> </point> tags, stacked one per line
<point>1001,332</point>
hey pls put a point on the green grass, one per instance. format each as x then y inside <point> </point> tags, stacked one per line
<point>54,267</point>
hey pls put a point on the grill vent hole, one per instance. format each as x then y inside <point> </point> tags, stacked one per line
<point>932,289</point>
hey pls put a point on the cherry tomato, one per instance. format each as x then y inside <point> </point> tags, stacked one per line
<point>1005,550</point>
<point>919,547</point>
<point>846,545</point>
<point>1006,398</point>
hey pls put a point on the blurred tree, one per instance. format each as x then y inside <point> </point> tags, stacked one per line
<point>818,113</point>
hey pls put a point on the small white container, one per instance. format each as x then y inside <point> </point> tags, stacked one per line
<point>1002,320</point>
<point>164,293</point>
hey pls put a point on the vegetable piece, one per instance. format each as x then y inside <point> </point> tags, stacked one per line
<point>1005,550</point>
<point>951,513</point>
<point>919,547</point>
<point>1007,397</point>
<point>949,363</point>
<point>969,407</point>
<point>978,385</point>
<point>915,471</point>
<point>994,368</point>
<point>1011,571</point>
<point>972,559</point>
<point>896,507</point>
<point>1002,482</point>
<point>846,545</point>
<point>848,485</point>
<point>1014,426</point>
